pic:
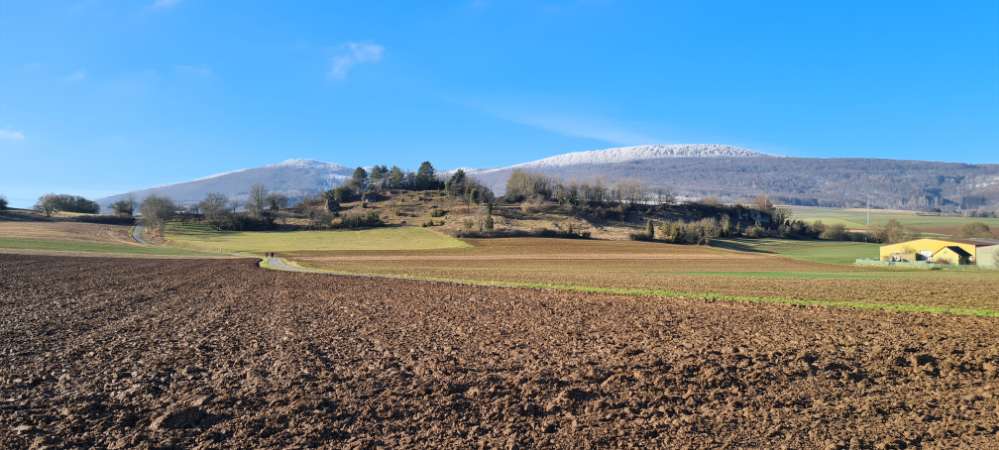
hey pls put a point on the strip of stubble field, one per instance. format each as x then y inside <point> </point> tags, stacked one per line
<point>281,264</point>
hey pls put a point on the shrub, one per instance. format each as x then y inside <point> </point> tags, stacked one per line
<point>157,210</point>
<point>369,219</point>
<point>892,232</point>
<point>437,212</point>
<point>975,230</point>
<point>640,236</point>
<point>124,207</point>
<point>648,234</point>
<point>834,232</point>
<point>699,232</point>
<point>755,231</point>
<point>487,220</point>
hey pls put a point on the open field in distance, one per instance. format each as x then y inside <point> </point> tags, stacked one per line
<point>204,238</point>
<point>54,236</point>
<point>673,270</point>
<point>856,219</point>
<point>829,252</point>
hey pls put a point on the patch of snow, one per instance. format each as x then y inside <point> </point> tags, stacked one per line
<point>638,153</point>
<point>308,164</point>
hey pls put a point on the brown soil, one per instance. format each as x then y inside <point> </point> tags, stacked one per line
<point>220,354</point>
<point>67,231</point>
<point>677,268</point>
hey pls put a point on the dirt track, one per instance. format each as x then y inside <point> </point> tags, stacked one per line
<point>143,353</point>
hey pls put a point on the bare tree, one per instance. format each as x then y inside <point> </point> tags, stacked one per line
<point>215,207</point>
<point>762,203</point>
<point>665,196</point>
<point>257,202</point>
<point>156,211</point>
<point>277,202</point>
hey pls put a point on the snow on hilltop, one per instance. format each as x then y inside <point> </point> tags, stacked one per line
<point>308,164</point>
<point>642,152</point>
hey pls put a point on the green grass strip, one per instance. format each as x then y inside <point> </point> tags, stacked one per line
<point>643,292</point>
<point>90,247</point>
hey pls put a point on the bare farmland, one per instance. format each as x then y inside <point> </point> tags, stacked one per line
<point>141,353</point>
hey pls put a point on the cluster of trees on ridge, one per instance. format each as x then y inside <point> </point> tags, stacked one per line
<point>666,219</point>
<point>50,203</point>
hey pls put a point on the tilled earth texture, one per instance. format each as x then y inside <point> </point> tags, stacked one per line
<point>221,354</point>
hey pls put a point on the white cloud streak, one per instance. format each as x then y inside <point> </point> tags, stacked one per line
<point>7,134</point>
<point>583,127</point>
<point>354,53</point>
<point>541,115</point>
<point>195,71</point>
<point>76,76</point>
<point>165,4</point>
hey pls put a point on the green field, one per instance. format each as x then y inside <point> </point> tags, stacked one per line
<point>828,252</point>
<point>91,247</point>
<point>857,219</point>
<point>204,238</point>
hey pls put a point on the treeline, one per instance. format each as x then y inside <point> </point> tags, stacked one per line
<point>50,203</point>
<point>461,186</point>
<point>525,186</point>
<point>703,231</point>
<point>3,203</point>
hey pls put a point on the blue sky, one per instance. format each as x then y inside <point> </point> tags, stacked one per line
<point>99,97</point>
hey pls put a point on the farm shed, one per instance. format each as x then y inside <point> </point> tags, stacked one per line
<point>988,257</point>
<point>953,255</point>
<point>927,249</point>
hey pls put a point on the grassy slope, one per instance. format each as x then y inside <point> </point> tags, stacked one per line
<point>202,237</point>
<point>90,247</point>
<point>827,252</point>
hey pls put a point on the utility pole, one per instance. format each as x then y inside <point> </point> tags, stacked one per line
<point>868,210</point>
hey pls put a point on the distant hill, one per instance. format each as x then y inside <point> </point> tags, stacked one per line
<point>295,178</point>
<point>737,174</point>
<point>689,170</point>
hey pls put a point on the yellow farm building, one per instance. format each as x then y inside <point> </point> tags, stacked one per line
<point>938,251</point>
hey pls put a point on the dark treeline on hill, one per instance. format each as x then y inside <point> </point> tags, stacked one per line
<point>833,182</point>
<point>50,203</point>
<point>573,208</point>
<point>695,222</point>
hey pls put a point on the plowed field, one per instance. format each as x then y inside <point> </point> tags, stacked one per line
<point>220,354</point>
<point>677,269</point>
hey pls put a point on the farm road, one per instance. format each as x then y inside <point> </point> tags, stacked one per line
<point>137,232</point>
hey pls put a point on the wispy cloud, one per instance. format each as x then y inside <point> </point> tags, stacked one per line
<point>576,124</point>
<point>7,134</point>
<point>353,53</point>
<point>76,76</point>
<point>194,70</point>
<point>165,4</point>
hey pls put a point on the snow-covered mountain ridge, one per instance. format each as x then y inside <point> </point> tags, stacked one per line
<point>642,152</point>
